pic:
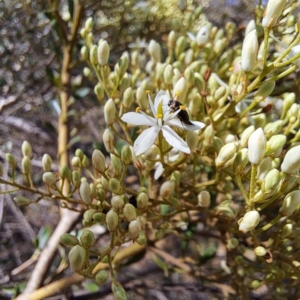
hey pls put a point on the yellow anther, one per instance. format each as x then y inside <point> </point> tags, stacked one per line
<point>148,91</point>
<point>158,116</point>
<point>182,107</point>
<point>177,94</point>
<point>137,109</point>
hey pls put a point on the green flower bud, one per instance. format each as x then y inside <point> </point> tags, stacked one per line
<point>22,201</point>
<point>189,75</point>
<point>168,74</point>
<point>276,142</point>
<point>220,92</point>
<point>260,251</point>
<point>77,257</point>
<point>87,238</point>
<point>115,186</point>
<point>134,229</point>
<point>271,182</point>
<point>245,136</point>
<point>192,140</point>
<point>89,24</point>
<point>103,53</point>
<point>118,291</point>
<point>290,203</point>
<point>257,146</point>
<point>126,156</point>
<point>99,217</point>
<point>84,53</point>
<point>122,66</point>
<point>288,100</point>
<point>110,112</point>
<point>217,143</point>
<point>287,182</point>
<point>272,13</point>
<point>249,221</point>
<point>167,189</point>
<point>128,98</point>
<point>240,161</point>
<point>68,240</point>
<point>141,98</point>
<point>89,215</point>
<point>93,55</point>
<point>85,192</point>
<point>255,284</point>
<point>142,200</point>
<point>76,162</point>
<point>26,165</point>
<point>291,161</point>
<point>26,149</point>
<point>286,230</point>
<point>273,128</point>
<point>226,153</point>
<point>76,179</point>
<point>204,199</point>
<point>85,162</point>
<point>100,193</point>
<point>154,51</point>
<point>116,165</point>
<point>105,183</point>
<point>108,140</point>
<point>11,160</point>
<point>79,153</point>
<point>142,239</point>
<point>232,243</point>
<point>99,91</point>
<point>101,277</point>
<point>46,162</point>
<point>49,178</point>
<point>129,212</point>
<point>175,176</point>
<point>98,161</point>
<point>264,167</point>
<point>171,39</point>
<point>180,45</point>
<point>63,172</point>
<point>112,220</point>
<point>117,202</point>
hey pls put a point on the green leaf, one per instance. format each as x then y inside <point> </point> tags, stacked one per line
<point>43,236</point>
<point>91,287</point>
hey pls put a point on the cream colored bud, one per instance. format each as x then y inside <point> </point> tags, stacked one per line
<point>286,230</point>
<point>151,153</point>
<point>141,98</point>
<point>168,74</point>
<point>142,200</point>
<point>180,47</point>
<point>76,179</point>
<point>129,212</point>
<point>167,189</point>
<point>46,162</point>
<point>290,203</point>
<point>76,162</point>
<point>89,41</point>
<point>291,161</point>
<point>257,146</point>
<point>260,251</point>
<point>115,186</point>
<point>79,153</point>
<point>288,100</point>
<point>126,156</point>
<point>220,92</point>
<point>181,88</point>
<point>99,91</point>
<point>134,229</point>
<point>87,238</point>
<point>85,162</point>
<point>110,112</point>
<point>272,13</point>
<point>88,215</point>
<point>249,221</point>
<point>26,149</point>
<point>250,26</point>
<point>171,39</point>
<point>93,55</point>
<point>84,53</point>
<point>128,97</point>
<point>226,153</point>
<point>271,182</point>
<point>189,75</point>
<point>264,167</point>
<point>274,143</point>
<point>89,24</point>
<point>49,178</point>
<point>11,160</point>
<point>103,53</point>
<point>108,140</point>
<point>112,220</point>
<point>154,51</point>
<point>188,59</point>
<point>77,257</point>
<point>26,165</point>
<point>204,199</point>
<point>202,36</point>
<point>249,51</point>
<point>116,165</point>
<point>85,192</point>
<point>98,160</point>
<point>117,202</point>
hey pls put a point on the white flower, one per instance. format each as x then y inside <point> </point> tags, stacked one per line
<point>163,119</point>
<point>249,51</point>
<point>202,36</point>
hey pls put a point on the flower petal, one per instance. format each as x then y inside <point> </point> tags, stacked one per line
<point>138,119</point>
<point>145,140</point>
<point>159,170</point>
<point>191,36</point>
<point>174,139</point>
<point>151,105</point>
<point>161,96</point>
<point>196,125</point>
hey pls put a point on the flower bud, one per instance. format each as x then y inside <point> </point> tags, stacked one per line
<point>115,186</point>
<point>260,251</point>
<point>22,201</point>
<point>117,202</point>
<point>271,182</point>
<point>87,238</point>
<point>240,161</point>
<point>202,36</point>
<point>126,156</point>
<point>99,91</point>
<point>142,200</point>
<point>171,39</point>
<point>103,53</point>
<point>226,153</point>
<point>181,88</point>
<point>168,75</point>
<point>141,98</point>
<point>129,212</point>
<point>142,239</point>
<point>167,189</point>
<point>76,162</point>
<point>249,51</point>
<point>85,162</point>
<point>88,215</point>
<point>26,165</point>
<point>175,177</point>
<point>154,51</point>
<point>291,161</point>
<point>290,203</point>
<point>250,26</point>
<point>76,179</point>
<point>11,160</point>
<point>93,55</point>
<point>108,140</point>
<point>192,140</point>
<point>99,217</point>
<point>68,240</point>
<point>110,112</point>
<point>134,229</point>
<point>232,243</point>
<point>204,199</point>
<point>116,165</point>
<point>264,167</point>
<point>85,192</point>
<point>84,53</point>
<point>98,161</point>
<point>286,230</point>
<point>274,143</point>
<point>112,220</point>
<point>257,146</point>
<point>26,149</point>
<point>101,277</point>
<point>49,178</point>
<point>272,12</point>
<point>288,100</point>
<point>46,162</point>
<point>77,257</point>
<point>249,221</point>
<point>128,97</point>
